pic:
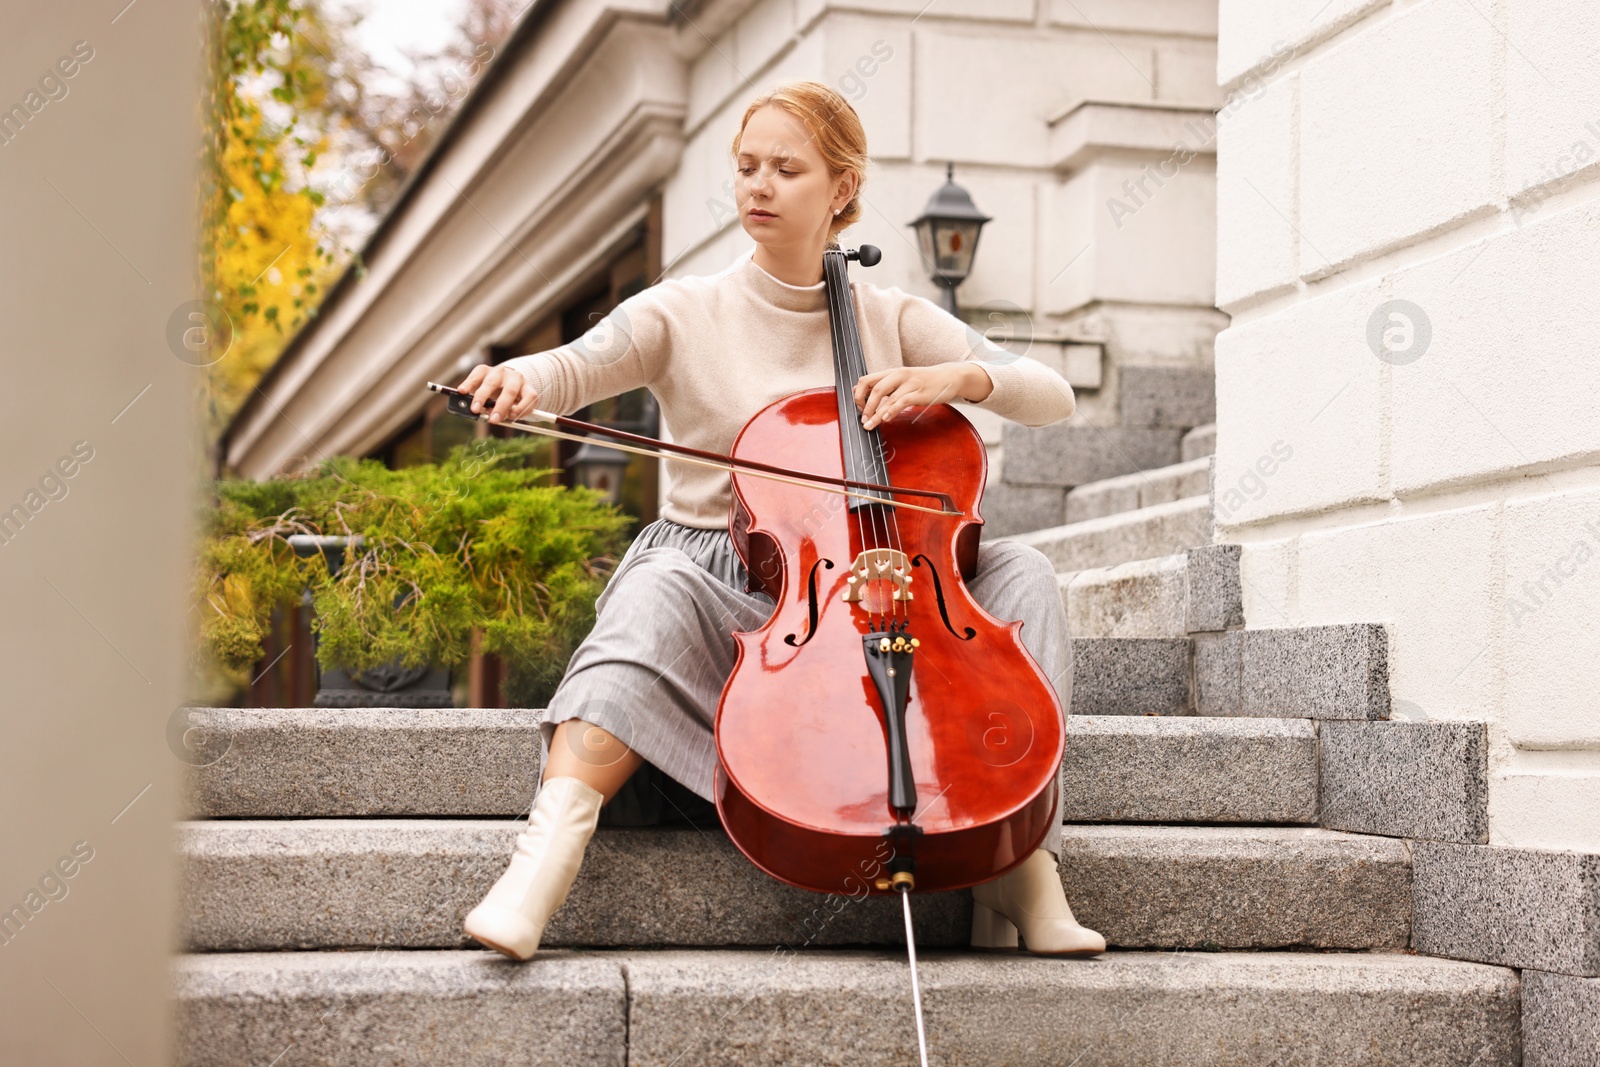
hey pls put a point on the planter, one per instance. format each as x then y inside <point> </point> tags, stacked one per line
<point>389,685</point>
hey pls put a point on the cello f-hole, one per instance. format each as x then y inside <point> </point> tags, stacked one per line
<point>938,595</point>
<point>811,604</point>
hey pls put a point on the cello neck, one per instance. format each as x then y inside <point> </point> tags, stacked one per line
<point>862,449</point>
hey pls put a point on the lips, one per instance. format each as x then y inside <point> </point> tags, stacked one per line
<point>757,213</point>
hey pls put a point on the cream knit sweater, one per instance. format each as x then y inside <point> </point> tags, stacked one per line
<point>715,349</point>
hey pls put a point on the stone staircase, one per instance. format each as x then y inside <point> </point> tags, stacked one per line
<point>329,856</point>
<point>325,877</point>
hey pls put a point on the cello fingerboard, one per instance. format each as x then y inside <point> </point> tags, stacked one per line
<point>862,448</point>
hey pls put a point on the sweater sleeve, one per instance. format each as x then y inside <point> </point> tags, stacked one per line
<point>1025,390</point>
<point>627,349</point>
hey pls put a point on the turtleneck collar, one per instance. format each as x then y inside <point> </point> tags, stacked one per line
<point>781,293</point>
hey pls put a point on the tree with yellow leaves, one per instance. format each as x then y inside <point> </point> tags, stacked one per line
<point>286,87</point>
<point>263,262</point>
<point>267,271</point>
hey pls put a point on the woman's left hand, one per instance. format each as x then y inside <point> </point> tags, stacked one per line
<point>882,395</point>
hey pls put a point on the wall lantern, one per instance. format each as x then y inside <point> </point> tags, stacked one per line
<point>599,468</point>
<point>947,232</point>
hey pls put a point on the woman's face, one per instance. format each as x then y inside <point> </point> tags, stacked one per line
<point>785,195</point>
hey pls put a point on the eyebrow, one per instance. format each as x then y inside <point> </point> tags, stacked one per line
<point>780,158</point>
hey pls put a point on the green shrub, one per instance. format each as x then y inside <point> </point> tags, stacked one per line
<point>479,541</point>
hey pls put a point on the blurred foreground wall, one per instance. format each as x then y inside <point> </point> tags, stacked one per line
<point>98,138</point>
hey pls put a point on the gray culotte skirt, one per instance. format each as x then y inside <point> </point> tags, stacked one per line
<point>651,671</point>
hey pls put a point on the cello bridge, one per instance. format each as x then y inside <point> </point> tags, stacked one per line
<point>879,564</point>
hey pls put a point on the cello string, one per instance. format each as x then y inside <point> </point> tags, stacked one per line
<point>872,445</point>
<point>874,438</point>
<point>865,437</point>
<point>916,989</point>
<point>891,519</point>
<point>835,272</point>
<point>838,367</point>
<point>832,267</point>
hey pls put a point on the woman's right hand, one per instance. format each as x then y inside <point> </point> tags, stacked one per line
<point>512,394</point>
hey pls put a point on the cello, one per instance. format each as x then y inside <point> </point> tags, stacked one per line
<point>878,730</point>
<point>880,709</point>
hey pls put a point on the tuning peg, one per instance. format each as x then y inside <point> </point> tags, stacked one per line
<point>867,255</point>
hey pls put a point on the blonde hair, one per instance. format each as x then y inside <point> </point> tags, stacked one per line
<point>835,129</point>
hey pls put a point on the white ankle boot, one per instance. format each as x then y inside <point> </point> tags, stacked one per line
<point>1029,898</point>
<point>512,917</point>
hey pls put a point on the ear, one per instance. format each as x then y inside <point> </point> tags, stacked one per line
<point>848,184</point>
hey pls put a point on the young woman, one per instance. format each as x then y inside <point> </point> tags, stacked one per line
<point>714,350</point>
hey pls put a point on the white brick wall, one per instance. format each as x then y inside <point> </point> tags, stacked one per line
<point>1456,413</point>
<point>1032,76</point>
<point>1552,91</point>
<point>1249,30</point>
<point>869,61</point>
<point>1435,169</point>
<point>1552,645</point>
<point>1198,17</point>
<point>1395,132</point>
<point>1549,801</point>
<point>1187,71</point>
<point>761,33</point>
<point>1510,379</point>
<point>1016,11</point>
<point>1256,193</point>
<point>1159,246</point>
<point>1303,377</point>
<point>1431,578</point>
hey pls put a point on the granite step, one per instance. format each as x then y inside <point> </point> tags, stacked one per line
<point>1198,591</point>
<point>1158,530</point>
<point>399,1009</point>
<point>841,1008</point>
<point>1338,672</point>
<point>364,762</point>
<point>1215,887</point>
<point>1142,489</point>
<point>1141,598</point>
<point>329,762</point>
<point>1179,769</point>
<point>335,883</point>
<point>1133,676</point>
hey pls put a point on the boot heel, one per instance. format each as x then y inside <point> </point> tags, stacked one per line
<point>991,930</point>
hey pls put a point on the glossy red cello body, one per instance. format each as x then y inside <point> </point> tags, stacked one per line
<point>804,738</point>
